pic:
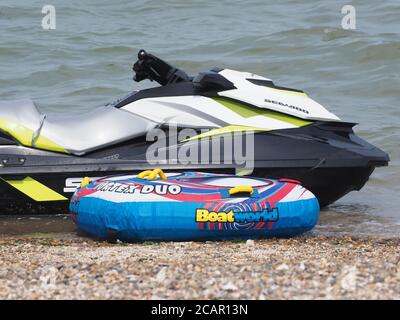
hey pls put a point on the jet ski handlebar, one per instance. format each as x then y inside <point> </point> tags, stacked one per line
<point>150,67</point>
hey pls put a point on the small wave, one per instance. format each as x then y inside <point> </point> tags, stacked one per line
<point>113,49</point>
<point>5,51</point>
<point>96,90</point>
<point>356,220</point>
<point>331,34</point>
<point>380,52</point>
<point>326,33</point>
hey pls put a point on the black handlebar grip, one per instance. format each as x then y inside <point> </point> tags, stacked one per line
<point>142,54</point>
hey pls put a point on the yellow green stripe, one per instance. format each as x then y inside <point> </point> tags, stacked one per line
<point>24,136</point>
<point>35,190</point>
<point>224,130</point>
<point>290,91</point>
<point>247,111</point>
<point>21,133</point>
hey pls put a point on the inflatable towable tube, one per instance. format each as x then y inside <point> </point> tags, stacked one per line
<point>193,206</point>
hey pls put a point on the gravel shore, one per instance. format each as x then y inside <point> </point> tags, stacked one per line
<point>66,266</point>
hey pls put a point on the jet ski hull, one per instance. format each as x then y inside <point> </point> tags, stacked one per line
<point>326,158</point>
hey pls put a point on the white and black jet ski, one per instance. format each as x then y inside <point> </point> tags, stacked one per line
<point>43,158</point>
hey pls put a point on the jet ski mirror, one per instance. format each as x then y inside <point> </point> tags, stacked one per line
<point>150,67</point>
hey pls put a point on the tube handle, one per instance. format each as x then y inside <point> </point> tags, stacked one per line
<point>240,189</point>
<point>152,174</point>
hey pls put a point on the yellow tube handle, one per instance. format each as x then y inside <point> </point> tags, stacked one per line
<point>152,174</point>
<point>85,182</point>
<point>144,174</point>
<point>240,189</point>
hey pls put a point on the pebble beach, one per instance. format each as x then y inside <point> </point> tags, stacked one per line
<point>66,265</point>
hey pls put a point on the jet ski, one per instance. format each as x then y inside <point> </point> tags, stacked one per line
<point>44,157</point>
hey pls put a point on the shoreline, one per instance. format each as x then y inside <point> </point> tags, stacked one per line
<point>68,266</point>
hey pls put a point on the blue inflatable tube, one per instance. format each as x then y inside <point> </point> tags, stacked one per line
<point>193,206</point>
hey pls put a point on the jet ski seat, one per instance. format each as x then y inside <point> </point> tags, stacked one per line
<point>75,134</point>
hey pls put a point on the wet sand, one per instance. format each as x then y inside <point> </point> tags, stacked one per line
<point>60,264</point>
